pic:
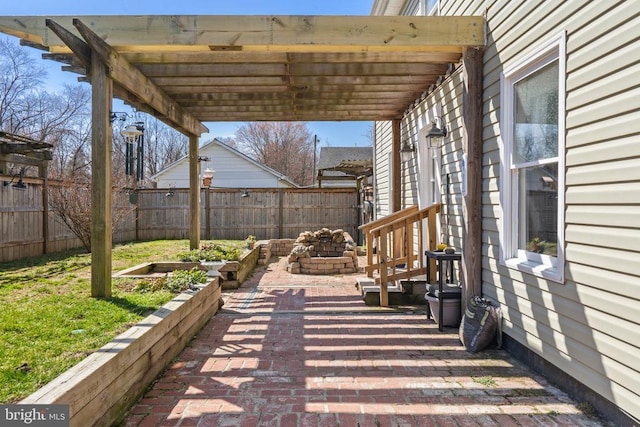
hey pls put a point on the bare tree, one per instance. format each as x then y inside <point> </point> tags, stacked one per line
<point>286,147</point>
<point>20,78</point>
<point>163,146</point>
<point>70,199</point>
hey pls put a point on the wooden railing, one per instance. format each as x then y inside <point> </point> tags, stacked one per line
<point>399,250</point>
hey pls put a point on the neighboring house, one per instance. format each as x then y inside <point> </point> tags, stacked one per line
<point>560,165</point>
<point>232,170</point>
<point>342,166</point>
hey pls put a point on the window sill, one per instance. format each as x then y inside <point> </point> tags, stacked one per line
<point>539,269</point>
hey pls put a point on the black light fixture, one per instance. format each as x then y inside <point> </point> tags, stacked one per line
<point>244,194</point>
<point>118,115</point>
<point>170,192</point>
<point>436,134</point>
<point>406,150</point>
<point>19,184</point>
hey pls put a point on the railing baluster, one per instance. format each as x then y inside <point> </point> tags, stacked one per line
<point>393,237</point>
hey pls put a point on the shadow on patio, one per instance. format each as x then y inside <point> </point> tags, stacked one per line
<point>292,350</point>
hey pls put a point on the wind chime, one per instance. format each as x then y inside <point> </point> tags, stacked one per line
<point>134,162</point>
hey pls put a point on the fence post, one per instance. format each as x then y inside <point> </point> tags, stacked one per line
<point>280,213</point>
<point>42,170</point>
<point>207,213</point>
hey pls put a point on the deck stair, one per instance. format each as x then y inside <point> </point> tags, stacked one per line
<point>398,241</point>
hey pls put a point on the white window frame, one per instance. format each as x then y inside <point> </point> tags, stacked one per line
<point>541,265</point>
<point>435,9</point>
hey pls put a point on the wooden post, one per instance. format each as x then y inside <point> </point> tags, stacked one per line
<point>44,174</point>
<point>384,286</point>
<point>207,213</point>
<point>472,147</point>
<point>280,213</point>
<point>101,157</point>
<point>194,193</point>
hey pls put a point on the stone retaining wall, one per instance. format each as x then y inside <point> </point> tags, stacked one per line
<point>282,247</point>
<point>265,252</point>
<point>324,265</point>
<point>323,252</point>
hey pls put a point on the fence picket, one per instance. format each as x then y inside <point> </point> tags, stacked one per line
<point>267,213</point>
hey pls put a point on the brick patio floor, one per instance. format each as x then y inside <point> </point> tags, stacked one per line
<point>294,350</point>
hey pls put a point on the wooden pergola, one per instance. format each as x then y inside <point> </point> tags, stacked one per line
<point>185,70</point>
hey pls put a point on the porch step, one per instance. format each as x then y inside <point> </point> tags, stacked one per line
<point>371,293</point>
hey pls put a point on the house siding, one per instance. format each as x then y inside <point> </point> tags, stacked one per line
<point>589,326</point>
<point>231,171</point>
<point>382,169</point>
<point>447,97</point>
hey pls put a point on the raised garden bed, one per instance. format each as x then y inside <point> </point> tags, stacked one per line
<point>154,269</point>
<point>232,274</point>
<point>101,388</point>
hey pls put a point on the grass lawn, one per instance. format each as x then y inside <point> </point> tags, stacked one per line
<point>49,322</point>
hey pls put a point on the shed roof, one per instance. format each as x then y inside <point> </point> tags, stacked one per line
<point>341,161</point>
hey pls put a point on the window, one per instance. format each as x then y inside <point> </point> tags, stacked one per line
<point>431,7</point>
<point>532,155</point>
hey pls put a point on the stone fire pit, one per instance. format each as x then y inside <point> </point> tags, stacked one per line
<point>323,252</point>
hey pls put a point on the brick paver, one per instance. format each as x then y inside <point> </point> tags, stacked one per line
<point>295,350</point>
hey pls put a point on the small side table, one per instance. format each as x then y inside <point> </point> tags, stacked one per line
<point>441,259</point>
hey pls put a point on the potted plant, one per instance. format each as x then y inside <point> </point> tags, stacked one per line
<point>251,241</point>
<point>535,244</point>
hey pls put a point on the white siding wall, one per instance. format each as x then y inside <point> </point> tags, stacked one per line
<point>446,98</point>
<point>382,173</point>
<point>231,171</point>
<point>589,326</point>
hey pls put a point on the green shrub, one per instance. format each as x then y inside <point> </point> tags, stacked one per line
<point>181,280</point>
<point>210,252</point>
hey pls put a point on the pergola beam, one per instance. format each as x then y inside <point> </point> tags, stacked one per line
<point>267,33</point>
<point>156,59</point>
<point>130,78</point>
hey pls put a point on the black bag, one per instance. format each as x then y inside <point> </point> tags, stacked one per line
<point>481,323</point>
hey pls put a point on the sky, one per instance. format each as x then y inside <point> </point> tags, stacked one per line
<point>335,134</point>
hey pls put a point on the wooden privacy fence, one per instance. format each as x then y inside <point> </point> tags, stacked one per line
<point>267,213</point>
<point>28,229</point>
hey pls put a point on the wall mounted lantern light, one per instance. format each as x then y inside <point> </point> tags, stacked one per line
<point>436,134</point>
<point>406,150</point>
